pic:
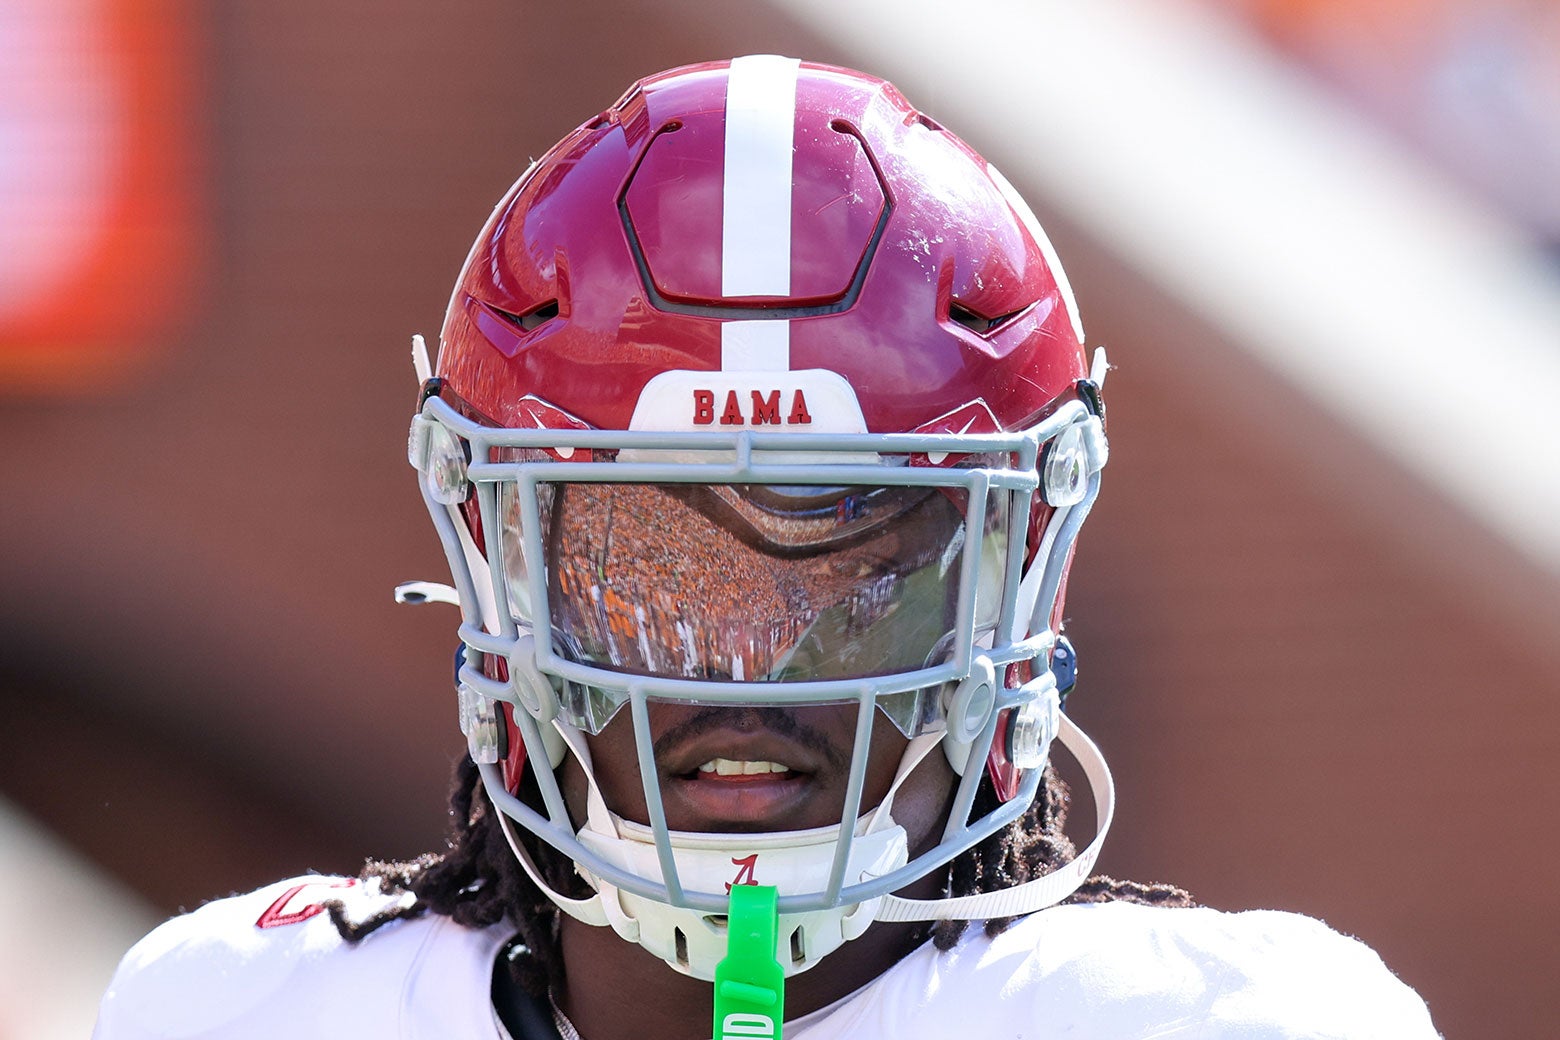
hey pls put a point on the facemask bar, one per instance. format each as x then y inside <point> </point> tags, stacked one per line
<point>747,457</point>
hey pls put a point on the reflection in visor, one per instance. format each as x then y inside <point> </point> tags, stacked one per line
<point>726,582</point>
<point>780,517</point>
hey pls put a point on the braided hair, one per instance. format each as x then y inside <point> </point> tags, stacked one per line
<point>477,881</point>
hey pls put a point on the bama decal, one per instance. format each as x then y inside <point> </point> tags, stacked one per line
<point>811,400</point>
<point>761,408</point>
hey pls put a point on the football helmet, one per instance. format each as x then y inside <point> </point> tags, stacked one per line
<point>761,389</point>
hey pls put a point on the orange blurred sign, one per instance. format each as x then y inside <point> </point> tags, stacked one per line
<point>99,185</point>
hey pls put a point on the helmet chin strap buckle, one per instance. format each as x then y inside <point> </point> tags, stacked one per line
<point>530,696</point>
<point>1035,723</point>
<point>968,710</point>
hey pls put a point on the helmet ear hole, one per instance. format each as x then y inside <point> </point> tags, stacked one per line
<point>1064,666</point>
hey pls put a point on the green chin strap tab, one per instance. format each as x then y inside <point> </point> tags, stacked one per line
<point>749,981</point>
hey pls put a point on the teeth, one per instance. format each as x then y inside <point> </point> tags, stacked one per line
<point>728,767</point>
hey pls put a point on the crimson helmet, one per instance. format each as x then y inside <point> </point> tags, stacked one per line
<point>762,388</point>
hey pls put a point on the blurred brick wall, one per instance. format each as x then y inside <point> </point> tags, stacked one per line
<point>207,685</point>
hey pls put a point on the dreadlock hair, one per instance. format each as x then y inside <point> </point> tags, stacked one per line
<point>1032,845</point>
<point>477,881</point>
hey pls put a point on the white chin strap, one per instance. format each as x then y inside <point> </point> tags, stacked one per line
<point>1042,891</point>
<point>693,942</point>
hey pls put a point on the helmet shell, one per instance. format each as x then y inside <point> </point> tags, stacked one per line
<point>906,268</point>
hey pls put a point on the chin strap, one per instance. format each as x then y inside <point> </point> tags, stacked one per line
<point>591,910</point>
<point>588,910</point>
<point>1042,891</point>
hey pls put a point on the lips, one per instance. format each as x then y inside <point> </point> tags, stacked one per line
<point>729,770</point>
<point>734,780</point>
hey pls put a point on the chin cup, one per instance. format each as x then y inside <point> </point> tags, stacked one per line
<point>693,941</point>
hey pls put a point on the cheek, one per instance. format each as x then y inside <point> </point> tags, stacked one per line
<point>615,764</point>
<point>888,748</point>
<point>921,804</point>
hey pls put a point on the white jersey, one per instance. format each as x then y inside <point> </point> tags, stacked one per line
<point>1120,971</point>
<point>270,964</point>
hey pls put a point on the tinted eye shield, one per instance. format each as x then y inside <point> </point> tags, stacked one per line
<point>691,581</point>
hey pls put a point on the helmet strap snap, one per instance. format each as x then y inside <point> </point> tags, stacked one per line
<point>969,709</point>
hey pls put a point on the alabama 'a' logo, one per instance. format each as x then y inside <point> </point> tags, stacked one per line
<point>745,867</point>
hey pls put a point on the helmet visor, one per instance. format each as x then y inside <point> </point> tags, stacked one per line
<point>766,583</point>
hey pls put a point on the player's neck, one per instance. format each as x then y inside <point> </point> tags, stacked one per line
<point>619,991</point>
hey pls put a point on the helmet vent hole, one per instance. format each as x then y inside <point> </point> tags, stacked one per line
<point>927,121</point>
<point>681,942</point>
<point>537,317</point>
<point>978,323</point>
<point>798,947</point>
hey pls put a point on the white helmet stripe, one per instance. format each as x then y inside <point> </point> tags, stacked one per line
<point>756,209</point>
<point>756,206</point>
<point>755,346</point>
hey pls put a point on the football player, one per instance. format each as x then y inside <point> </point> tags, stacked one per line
<point>759,439</point>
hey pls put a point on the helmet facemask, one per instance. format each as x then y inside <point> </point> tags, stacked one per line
<point>762,571</point>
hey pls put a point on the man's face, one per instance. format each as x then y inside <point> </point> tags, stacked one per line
<point>741,769</point>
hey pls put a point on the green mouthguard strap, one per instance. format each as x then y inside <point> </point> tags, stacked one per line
<point>749,981</point>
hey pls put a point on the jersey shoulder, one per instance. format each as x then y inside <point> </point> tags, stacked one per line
<point>1118,969</point>
<point>272,963</point>
<point>1255,973</point>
